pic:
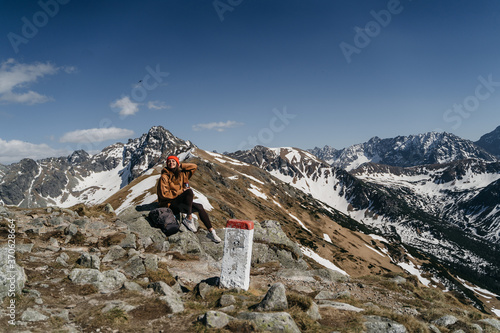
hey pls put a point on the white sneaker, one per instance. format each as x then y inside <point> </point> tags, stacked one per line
<point>189,224</point>
<point>213,237</point>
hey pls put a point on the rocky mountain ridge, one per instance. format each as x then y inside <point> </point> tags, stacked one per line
<point>405,151</point>
<point>88,270</point>
<point>491,142</point>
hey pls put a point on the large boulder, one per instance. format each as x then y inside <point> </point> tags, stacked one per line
<point>186,243</point>
<point>270,232</point>
<point>136,220</point>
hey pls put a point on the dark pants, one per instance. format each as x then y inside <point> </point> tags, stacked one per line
<point>184,204</point>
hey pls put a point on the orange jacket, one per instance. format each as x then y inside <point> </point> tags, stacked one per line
<point>168,188</point>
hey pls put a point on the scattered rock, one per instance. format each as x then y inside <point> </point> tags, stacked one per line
<point>171,298</point>
<point>216,319</point>
<point>313,312</point>
<point>227,300</point>
<point>376,324</point>
<point>274,322</point>
<point>434,329</point>
<point>128,246</point>
<point>274,300</point>
<point>117,305</point>
<point>203,289</point>
<point>71,230</point>
<point>151,262</point>
<point>325,294</point>
<point>495,323</point>
<point>129,241</point>
<point>104,282</point>
<point>24,248</point>
<point>31,315</point>
<point>134,267</point>
<point>445,321</point>
<point>115,252</point>
<point>339,306</point>
<point>132,286</point>
<point>89,261</point>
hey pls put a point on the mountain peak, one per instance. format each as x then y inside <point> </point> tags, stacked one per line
<point>78,156</point>
<point>491,142</point>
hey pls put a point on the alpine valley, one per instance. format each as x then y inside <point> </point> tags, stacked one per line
<point>430,203</point>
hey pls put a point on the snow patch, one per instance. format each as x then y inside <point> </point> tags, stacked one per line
<point>252,178</point>
<point>202,199</point>
<point>375,250</point>
<point>300,222</point>
<point>379,238</point>
<point>257,192</point>
<point>412,269</point>
<point>482,292</point>
<point>320,260</point>
<point>139,189</point>
<point>327,238</point>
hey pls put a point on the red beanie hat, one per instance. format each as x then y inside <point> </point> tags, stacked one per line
<point>172,157</point>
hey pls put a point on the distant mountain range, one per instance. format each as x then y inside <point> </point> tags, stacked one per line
<point>413,150</point>
<point>436,194</point>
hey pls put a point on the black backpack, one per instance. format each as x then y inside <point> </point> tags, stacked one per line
<point>164,219</point>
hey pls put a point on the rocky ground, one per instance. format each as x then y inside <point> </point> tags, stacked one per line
<point>88,270</point>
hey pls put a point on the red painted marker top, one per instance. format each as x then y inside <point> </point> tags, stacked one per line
<point>240,224</point>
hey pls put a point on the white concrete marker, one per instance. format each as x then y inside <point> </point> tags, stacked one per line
<point>237,258</point>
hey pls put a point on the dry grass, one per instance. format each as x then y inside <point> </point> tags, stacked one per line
<point>161,275</point>
<point>113,239</point>
<point>342,321</point>
<point>93,319</point>
<point>91,211</point>
<point>298,300</point>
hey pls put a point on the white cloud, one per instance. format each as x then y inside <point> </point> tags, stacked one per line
<point>70,69</point>
<point>96,135</point>
<point>16,77</point>
<point>126,106</point>
<point>217,126</point>
<point>158,105</point>
<point>15,150</point>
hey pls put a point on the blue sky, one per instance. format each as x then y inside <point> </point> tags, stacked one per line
<point>230,74</point>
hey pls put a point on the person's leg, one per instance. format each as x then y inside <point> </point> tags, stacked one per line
<point>203,215</point>
<point>184,203</point>
<point>206,221</point>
